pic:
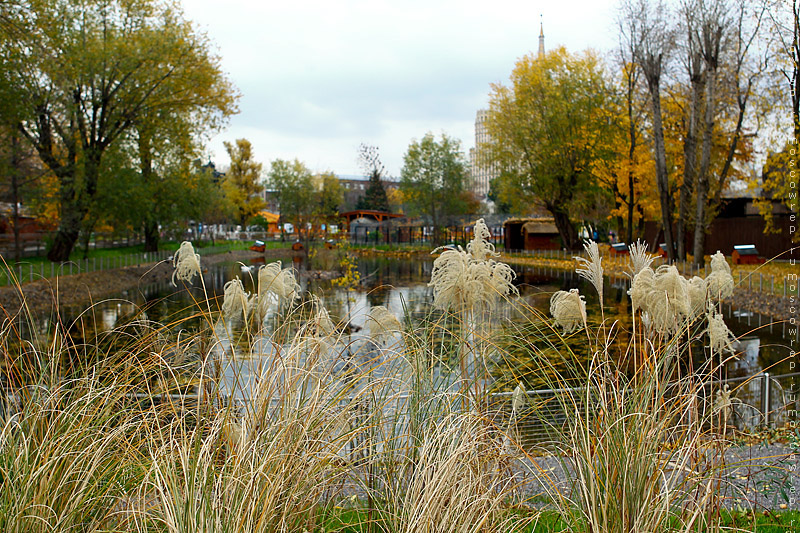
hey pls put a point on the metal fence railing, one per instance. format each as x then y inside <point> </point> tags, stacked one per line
<point>23,272</point>
<point>757,401</point>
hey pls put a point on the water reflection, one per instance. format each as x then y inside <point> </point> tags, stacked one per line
<point>401,286</point>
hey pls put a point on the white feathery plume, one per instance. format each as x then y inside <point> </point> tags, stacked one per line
<point>569,310</point>
<point>720,281</point>
<point>641,287</point>
<point>720,336</point>
<point>479,247</point>
<point>462,281</point>
<point>281,283</point>
<point>697,290</point>
<point>186,263</point>
<point>668,304</point>
<point>321,341</point>
<point>381,323</point>
<point>592,268</point>
<point>236,302</point>
<point>663,295</point>
<point>639,258</point>
<point>323,322</point>
<point>723,404</point>
<point>518,398</point>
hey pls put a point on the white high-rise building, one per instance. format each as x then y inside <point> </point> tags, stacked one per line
<point>481,171</point>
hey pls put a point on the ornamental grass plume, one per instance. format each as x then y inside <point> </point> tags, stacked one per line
<point>720,337</point>
<point>273,280</point>
<point>723,404</point>
<point>186,263</point>
<point>518,398</point>
<point>720,281</point>
<point>663,295</point>
<point>639,258</point>
<point>569,310</point>
<point>318,338</point>
<point>466,280</point>
<point>322,321</point>
<point>381,323</point>
<point>280,282</point>
<point>479,247</point>
<point>236,303</point>
<point>698,291</point>
<point>592,269</point>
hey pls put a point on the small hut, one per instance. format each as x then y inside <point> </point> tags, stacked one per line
<point>531,234</point>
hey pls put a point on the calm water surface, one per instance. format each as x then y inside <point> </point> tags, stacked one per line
<point>401,285</point>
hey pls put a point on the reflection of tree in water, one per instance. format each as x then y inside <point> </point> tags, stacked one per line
<point>378,295</point>
<point>401,285</point>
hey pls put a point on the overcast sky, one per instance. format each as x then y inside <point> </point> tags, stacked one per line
<point>317,78</point>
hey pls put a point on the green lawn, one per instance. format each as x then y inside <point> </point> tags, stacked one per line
<point>33,268</point>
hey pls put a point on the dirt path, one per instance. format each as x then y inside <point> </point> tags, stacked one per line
<point>83,289</point>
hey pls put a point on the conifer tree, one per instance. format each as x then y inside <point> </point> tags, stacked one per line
<point>375,195</point>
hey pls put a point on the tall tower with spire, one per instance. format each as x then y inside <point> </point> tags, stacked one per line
<point>541,37</point>
<point>482,172</point>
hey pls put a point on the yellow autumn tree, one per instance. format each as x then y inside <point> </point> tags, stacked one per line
<point>628,170</point>
<point>548,127</point>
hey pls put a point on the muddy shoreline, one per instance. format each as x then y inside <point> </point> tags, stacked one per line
<point>86,288</point>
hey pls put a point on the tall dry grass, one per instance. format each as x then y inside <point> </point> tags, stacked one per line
<point>135,429</point>
<point>640,442</point>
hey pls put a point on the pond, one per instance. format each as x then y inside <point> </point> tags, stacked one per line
<point>401,286</point>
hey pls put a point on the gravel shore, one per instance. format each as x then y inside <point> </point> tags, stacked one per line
<point>756,477</point>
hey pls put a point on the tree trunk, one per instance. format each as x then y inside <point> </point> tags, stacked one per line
<point>88,229</point>
<point>662,178</point>
<point>631,205</point>
<point>712,38</point>
<point>74,194</point>
<point>632,143</point>
<point>689,155</point>
<point>737,133</point>
<point>150,224</point>
<point>15,178</point>
<point>569,236</point>
<point>702,176</point>
<point>65,239</point>
<point>151,236</point>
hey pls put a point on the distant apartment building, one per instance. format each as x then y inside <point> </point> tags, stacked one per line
<point>353,188</point>
<point>482,172</point>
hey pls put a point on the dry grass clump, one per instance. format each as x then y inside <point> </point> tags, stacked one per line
<point>67,429</point>
<point>102,446</point>
<point>456,484</point>
<point>268,471</point>
<point>640,447</point>
<point>60,458</point>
